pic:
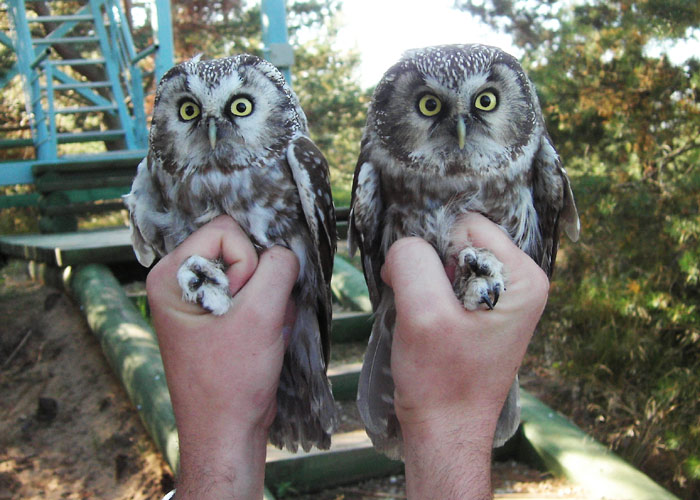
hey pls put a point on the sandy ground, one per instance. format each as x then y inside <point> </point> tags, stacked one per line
<point>68,431</point>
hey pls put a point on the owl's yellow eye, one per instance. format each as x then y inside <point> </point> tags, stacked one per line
<point>486,101</point>
<point>241,106</point>
<point>429,105</point>
<point>189,110</point>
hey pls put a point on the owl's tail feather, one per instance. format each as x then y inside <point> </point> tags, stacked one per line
<point>375,392</point>
<point>509,419</point>
<point>306,412</point>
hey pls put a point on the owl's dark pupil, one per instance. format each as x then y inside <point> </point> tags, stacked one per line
<point>241,107</point>
<point>189,110</point>
<point>485,101</point>
<point>431,105</point>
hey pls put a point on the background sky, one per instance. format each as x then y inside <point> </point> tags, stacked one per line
<point>383,29</point>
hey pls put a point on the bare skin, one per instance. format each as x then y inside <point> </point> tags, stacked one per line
<point>223,371</point>
<point>452,368</point>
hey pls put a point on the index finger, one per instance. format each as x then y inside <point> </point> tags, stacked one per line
<point>414,270</point>
<point>522,273</point>
<point>476,230</point>
<point>220,238</point>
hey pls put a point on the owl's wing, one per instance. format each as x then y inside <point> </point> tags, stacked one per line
<point>310,171</point>
<point>554,203</point>
<point>145,204</point>
<point>364,232</point>
<point>375,389</point>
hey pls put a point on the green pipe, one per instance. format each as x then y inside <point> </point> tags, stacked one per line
<point>348,285</point>
<point>567,450</point>
<point>131,348</point>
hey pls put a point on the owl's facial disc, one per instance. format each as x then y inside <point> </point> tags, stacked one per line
<point>238,107</point>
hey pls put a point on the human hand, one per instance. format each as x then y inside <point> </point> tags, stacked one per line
<point>452,368</point>
<point>223,371</point>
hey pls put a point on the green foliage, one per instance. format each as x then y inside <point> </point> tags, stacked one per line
<point>623,321</point>
<point>215,29</point>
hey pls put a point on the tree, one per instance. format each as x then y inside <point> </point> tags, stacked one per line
<point>623,318</point>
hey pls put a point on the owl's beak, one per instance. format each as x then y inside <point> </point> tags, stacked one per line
<point>212,132</point>
<point>461,132</point>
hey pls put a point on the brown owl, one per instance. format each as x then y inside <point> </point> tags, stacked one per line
<point>451,130</point>
<point>229,137</point>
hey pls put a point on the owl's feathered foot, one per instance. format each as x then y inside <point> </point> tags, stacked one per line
<point>478,278</point>
<point>204,282</point>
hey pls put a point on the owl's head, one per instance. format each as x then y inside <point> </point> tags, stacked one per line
<point>444,109</point>
<point>224,113</point>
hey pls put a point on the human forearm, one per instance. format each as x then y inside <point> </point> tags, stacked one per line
<point>448,455</point>
<point>223,371</point>
<point>453,368</point>
<point>221,463</point>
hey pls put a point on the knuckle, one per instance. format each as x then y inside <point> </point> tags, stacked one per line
<point>539,285</point>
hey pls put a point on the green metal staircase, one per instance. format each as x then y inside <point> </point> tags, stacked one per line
<point>84,82</point>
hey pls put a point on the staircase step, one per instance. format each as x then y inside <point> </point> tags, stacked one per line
<point>127,159</point>
<point>79,85</point>
<point>344,379</point>
<point>84,208</point>
<point>65,39</point>
<point>15,143</point>
<point>88,180</point>
<point>85,109</point>
<point>60,19</point>
<point>351,458</point>
<point>77,62</point>
<point>90,136</point>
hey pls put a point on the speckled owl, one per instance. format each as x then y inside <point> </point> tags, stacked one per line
<point>450,130</point>
<point>228,136</point>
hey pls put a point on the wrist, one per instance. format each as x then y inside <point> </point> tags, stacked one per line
<point>442,426</point>
<point>222,461</point>
<point>448,454</point>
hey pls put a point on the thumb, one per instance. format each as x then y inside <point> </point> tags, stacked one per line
<point>417,275</point>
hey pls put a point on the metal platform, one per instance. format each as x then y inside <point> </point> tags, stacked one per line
<point>106,246</point>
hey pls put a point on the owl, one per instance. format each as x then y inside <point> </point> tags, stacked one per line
<point>228,136</point>
<point>450,130</point>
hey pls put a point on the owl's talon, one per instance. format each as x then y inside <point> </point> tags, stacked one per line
<point>196,282</point>
<point>490,299</point>
<point>204,283</point>
<point>496,294</point>
<point>478,278</point>
<point>486,300</point>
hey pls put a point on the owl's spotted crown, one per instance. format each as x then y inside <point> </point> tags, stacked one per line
<point>213,70</point>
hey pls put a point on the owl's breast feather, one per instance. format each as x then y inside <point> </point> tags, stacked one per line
<point>263,201</point>
<point>428,206</point>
